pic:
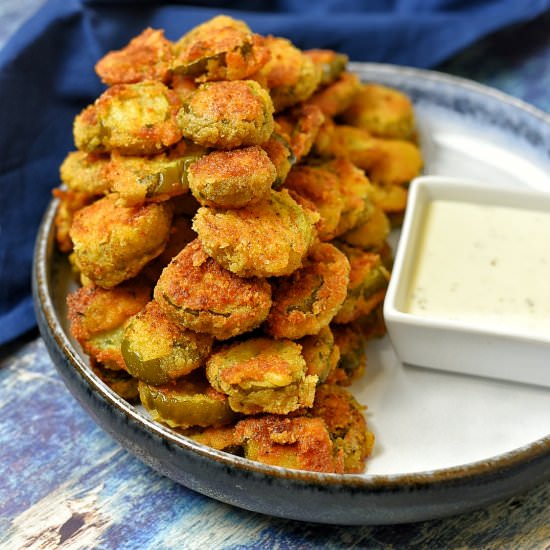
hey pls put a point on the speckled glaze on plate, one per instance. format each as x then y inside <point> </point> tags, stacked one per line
<point>446,443</point>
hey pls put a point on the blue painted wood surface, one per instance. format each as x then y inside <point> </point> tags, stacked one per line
<point>65,483</point>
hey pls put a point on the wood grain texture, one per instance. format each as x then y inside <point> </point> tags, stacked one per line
<point>67,484</point>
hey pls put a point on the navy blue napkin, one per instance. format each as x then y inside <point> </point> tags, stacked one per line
<point>46,78</point>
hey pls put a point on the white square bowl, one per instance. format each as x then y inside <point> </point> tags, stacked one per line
<point>470,343</point>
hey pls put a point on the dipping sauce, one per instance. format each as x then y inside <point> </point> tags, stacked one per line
<point>483,264</point>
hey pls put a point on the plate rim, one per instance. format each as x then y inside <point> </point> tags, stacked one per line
<point>478,470</point>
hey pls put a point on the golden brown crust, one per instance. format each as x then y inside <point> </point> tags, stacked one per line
<point>148,56</point>
<point>227,114</point>
<point>232,179</point>
<point>203,296</point>
<point>136,119</point>
<point>307,300</point>
<point>113,243</point>
<point>337,96</point>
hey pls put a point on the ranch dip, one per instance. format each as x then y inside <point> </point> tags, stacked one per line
<point>483,264</point>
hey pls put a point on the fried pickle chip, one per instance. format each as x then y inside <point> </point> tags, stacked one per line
<point>262,375</point>
<point>322,188</point>
<point>281,155</point>
<point>112,243</point>
<point>399,162</point>
<point>186,402</point>
<point>346,425</point>
<point>135,119</point>
<point>307,300</point>
<point>354,189</point>
<point>70,202</point>
<point>368,281</point>
<point>97,318</point>
<point>340,141</point>
<point>148,56</point>
<point>353,356</point>
<point>83,172</point>
<point>203,296</point>
<point>391,199</point>
<point>382,111</point>
<point>227,114</point>
<point>290,76</point>
<point>156,349</point>
<point>320,353</point>
<point>335,98</point>
<point>222,438</point>
<point>299,443</point>
<point>268,239</point>
<point>300,127</point>
<point>136,180</point>
<point>232,179</point>
<point>220,49</point>
<point>331,64</point>
<point>371,234</point>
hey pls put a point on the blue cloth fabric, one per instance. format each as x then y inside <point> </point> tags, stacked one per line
<point>46,78</point>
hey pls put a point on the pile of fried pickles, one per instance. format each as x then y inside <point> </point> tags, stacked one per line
<point>226,211</point>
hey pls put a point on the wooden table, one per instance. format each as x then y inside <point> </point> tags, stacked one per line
<point>65,483</point>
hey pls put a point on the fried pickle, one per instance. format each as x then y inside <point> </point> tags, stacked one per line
<point>227,114</point>
<point>321,353</point>
<point>352,360</point>
<point>156,349</point>
<point>222,48</point>
<point>307,300</point>
<point>299,443</point>
<point>97,318</point>
<point>148,56</point>
<point>232,179</point>
<point>201,295</point>
<point>135,119</point>
<point>262,375</point>
<point>269,239</point>
<point>112,243</point>
<point>331,64</point>
<point>335,98</point>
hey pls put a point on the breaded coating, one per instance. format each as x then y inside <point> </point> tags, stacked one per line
<point>373,325</point>
<point>299,443</point>
<point>300,127</point>
<point>307,300</point>
<point>346,425</point>
<point>232,179</point>
<point>148,56</point>
<point>70,202</point>
<point>368,281</point>
<point>400,161</point>
<point>322,188</point>
<point>220,49</point>
<point>227,114</point>
<point>281,155</point>
<point>392,199</point>
<point>201,295</point>
<point>186,402</point>
<point>353,356</point>
<point>337,96</point>
<point>112,243</point>
<point>83,172</point>
<point>354,189</point>
<point>340,141</point>
<point>262,375</point>
<point>136,180</point>
<point>331,64</point>
<point>290,76</point>
<point>222,438</point>
<point>181,234</point>
<point>382,111</point>
<point>135,119</point>
<point>97,318</point>
<point>119,381</point>
<point>156,349</point>
<point>268,239</point>
<point>371,234</point>
<point>320,353</point>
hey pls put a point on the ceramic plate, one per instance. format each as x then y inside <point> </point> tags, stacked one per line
<point>446,443</point>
